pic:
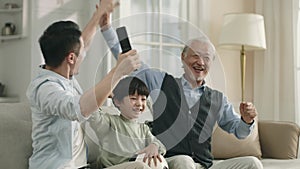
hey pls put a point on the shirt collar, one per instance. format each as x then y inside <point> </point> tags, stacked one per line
<point>48,74</point>
<point>186,83</point>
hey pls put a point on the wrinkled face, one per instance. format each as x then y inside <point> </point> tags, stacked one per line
<point>196,61</point>
<point>132,106</point>
<point>79,59</point>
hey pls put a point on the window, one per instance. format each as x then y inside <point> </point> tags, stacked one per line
<point>158,29</point>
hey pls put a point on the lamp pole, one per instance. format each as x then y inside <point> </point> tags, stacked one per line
<point>243,31</point>
<point>243,71</point>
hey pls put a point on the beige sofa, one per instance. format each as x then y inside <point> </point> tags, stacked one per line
<point>278,142</point>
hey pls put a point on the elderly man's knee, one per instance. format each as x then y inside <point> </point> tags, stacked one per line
<point>253,162</point>
<point>181,161</point>
<point>247,162</point>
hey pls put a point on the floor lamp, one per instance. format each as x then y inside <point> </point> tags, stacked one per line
<point>244,32</point>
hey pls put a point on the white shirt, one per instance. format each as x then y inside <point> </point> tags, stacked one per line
<point>56,133</point>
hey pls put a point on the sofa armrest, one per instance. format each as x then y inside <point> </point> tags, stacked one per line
<point>279,140</point>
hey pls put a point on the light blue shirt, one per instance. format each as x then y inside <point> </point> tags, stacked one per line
<point>56,114</point>
<point>229,120</point>
<point>191,95</point>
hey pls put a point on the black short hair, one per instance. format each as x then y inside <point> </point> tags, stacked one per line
<point>128,86</point>
<point>58,40</point>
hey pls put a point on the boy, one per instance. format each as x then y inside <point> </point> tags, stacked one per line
<point>121,137</point>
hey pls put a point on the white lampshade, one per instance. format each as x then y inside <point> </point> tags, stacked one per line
<point>243,29</point>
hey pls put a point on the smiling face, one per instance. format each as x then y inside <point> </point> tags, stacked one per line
<point>129,96</point>
<point>132,106</point>
<point>196,59</point>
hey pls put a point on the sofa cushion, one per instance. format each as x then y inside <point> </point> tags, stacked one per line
<point>20,111</point>
<point>15,142</point>
<point>15,135</point>
<point>279,140</point>
<point>226,145</point>
<point>281,164</point>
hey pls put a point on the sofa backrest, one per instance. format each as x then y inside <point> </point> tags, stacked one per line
<point>15,135</point>
<point>279,139</point>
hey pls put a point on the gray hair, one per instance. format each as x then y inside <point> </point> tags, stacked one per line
<point>202,39</point>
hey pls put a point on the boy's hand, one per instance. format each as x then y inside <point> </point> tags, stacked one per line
<point>151,153</point>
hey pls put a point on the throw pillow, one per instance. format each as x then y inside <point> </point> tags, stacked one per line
<point>225,145</point>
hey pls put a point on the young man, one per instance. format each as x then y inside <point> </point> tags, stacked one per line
<point>58,104</point>
<point>185,110</point>
<point>121,137</point>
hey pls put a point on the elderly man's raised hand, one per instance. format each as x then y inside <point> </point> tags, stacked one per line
<point>248,112</point>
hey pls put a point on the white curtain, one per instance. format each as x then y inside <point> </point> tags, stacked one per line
<point>297,51</point>
<point>274,69</point>
<point>198,14</point>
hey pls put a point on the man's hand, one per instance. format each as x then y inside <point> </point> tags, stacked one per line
<point>101,15</point>
<point>106,6</point>
<point>248,112</point>
<point>127,63</point>
<point>151,153</point>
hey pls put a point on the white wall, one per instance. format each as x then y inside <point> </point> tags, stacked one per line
<point>16,61</point>
<point>15,65</point>
<point>20,58</point>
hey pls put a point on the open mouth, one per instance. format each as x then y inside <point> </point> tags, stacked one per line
<point>199,68</point>
<point>137,110</point>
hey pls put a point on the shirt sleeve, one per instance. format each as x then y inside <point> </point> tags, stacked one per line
<point>112,41</point>
<point>97,128</point>
<point>231,122</point>
<point>151,139</point>
<point>153,78</point>
<point>53,99</point>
